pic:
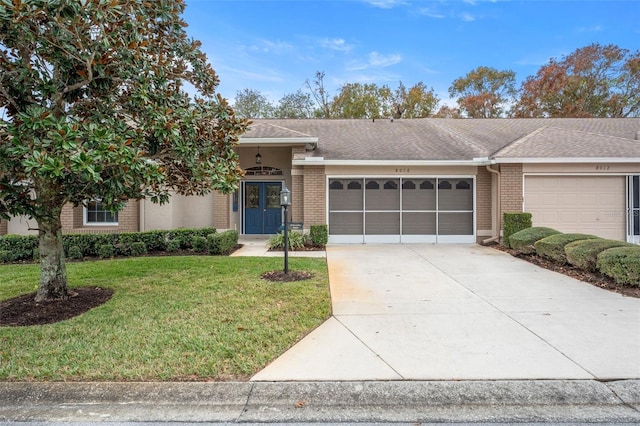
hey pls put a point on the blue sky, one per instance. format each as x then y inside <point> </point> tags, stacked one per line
<point>274,46</point>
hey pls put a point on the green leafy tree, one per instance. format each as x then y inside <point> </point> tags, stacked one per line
<point>295,105</point>
<point>95,108</point>
<point>593,81</point>
<point>251,103</point>
<point>484,92</point>
<point>357,100</point>
<point>417,102</point>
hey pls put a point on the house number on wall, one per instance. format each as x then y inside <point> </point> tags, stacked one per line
<point>403,170</point>
<point>602,167</point>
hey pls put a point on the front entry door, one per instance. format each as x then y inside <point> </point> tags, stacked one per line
<point>262,211</point>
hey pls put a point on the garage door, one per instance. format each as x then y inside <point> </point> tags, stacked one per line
<point>394,210</point>
<point>587,204</point>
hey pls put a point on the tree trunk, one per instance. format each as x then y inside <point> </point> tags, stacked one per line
<point>53,271</point>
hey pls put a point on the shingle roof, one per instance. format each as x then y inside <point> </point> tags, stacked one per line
<point>460,139</point>
<point>554,142</point>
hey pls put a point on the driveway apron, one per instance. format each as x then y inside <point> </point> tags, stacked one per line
<point>461,312</point>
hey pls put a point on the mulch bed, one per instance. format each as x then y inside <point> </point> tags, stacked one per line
<point>280,276</point>
<point>594,278</point>
<point>23,310</point>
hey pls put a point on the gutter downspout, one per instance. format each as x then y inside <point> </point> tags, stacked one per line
<point>498,201</point>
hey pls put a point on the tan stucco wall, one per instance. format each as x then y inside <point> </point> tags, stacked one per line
<point>19,225</point>
<point>181,212</point>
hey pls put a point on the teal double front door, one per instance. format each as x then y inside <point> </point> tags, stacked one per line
<point>262,211</point>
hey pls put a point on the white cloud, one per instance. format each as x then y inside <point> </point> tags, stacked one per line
<point>376,60</point>
<point>467,17</point>
<point>336,44</point>
<point>593,29</point>
<point>268,46</point>
<point>386,4</point>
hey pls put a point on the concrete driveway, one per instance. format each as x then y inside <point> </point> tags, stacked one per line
<point>461,312</point>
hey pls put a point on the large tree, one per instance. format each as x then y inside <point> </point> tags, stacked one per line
<point>95,108</point>
<point>484,92</point>
<point>593,81</point>
<point>250,103</point>
<point>417,102</point>
<point>359,100</point>
<point>295,105</point>
<point>320,95</point>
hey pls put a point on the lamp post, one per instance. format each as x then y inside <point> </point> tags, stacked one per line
<point>285,201</point>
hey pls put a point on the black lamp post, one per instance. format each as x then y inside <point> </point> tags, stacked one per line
<point>285,201</point>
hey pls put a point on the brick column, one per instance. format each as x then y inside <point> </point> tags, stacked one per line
<point>314,196</point>
<point>510,189</point>
<point>297,194</point>
<point>484,205</point>
<point>3,227</point>
<point>221,210</point>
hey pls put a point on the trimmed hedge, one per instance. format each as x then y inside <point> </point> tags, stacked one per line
<point>319,235</point>
<point>222,243</point>
<point>514,222</point>
<point>584,253</point>
<point>76,246</point>
<point>523,241</point>
<point>18,247</point>
<point>552,247</point>
<point>622,264</point>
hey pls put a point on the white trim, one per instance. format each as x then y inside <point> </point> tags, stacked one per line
<point>320,161</point>
<point>525,160</point>
<point>382,239</point>
<point>276,141</point>
<point>346,239</point>
<point>85,221</point>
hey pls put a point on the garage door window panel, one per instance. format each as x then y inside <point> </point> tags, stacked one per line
<point>419,195</point>
<point>455,224</point>
<point>382,223</point>
<point>382,194</point>
<point>418,223</point>
<point>345,195</point>
<point>346,223</point>
<point>455,195</point>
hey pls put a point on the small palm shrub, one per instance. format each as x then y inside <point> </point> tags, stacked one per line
<point>297,241</point>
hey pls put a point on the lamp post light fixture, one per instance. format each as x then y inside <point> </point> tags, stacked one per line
<point>285,202</point>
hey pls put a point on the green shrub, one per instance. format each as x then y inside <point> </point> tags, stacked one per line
<point>584,253</point>
<point>6,256</point>
<point>138,248</point>
<point>36,254</point>
<point>106,251</point>
<point>297,241</point>
<point>222,243</point>
<point>20,246</point>
<point>173,246</point>
<point>74,252</point>
<point>199,244</point>
<point>552,247</point>
<point>622,264</point>
<point>319,235</point>
<point>514,222</point>
<point>523,241</point>
<point>122,249</point>
<point>185,235</point>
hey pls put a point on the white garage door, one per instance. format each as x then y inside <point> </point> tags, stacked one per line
<point>394,210</point>
<point>587,204</point>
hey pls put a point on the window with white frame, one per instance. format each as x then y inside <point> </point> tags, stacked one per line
<point>96,214</point>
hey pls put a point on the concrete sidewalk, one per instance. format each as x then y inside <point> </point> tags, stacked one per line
<point>461,312</point>
<point>257,246</point>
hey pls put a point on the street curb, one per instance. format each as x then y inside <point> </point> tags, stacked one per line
<point>359,401</point>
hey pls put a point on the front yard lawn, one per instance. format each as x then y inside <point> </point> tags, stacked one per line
<point>170,318</point>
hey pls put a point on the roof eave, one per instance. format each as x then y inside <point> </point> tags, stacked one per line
<point>278,141</point>
<point>321,161</point>
<point>555,160</point>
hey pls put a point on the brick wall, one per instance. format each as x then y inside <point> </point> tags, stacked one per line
<point>221,210</point>
<point>314,196</point>
<point>484,205</point>
<point>128,220</point>
<point>297,194</point>
<point>511,189</point>
<point>3,226</point>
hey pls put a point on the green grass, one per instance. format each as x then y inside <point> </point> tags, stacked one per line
<point>170,318</point>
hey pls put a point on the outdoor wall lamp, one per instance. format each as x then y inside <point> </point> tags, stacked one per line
<point>258,157</point>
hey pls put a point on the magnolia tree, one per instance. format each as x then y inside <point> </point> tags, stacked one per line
<point>95,105</point>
